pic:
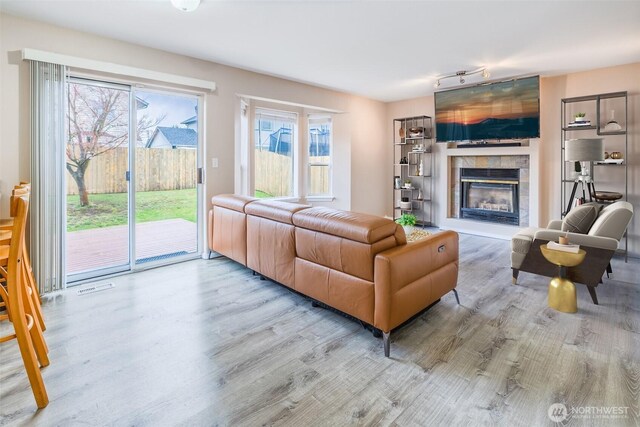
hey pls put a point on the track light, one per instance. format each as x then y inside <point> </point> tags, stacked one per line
<point>462,74</point>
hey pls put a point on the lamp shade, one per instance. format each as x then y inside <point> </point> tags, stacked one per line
<point>584,150</point>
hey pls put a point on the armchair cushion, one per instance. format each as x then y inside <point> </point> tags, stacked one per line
<point>521,242</point>
<point>581,218</point>
<point>613,220</point>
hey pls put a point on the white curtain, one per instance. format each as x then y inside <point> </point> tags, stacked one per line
<point>48,104</point>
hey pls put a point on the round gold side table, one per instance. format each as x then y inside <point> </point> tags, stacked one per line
<point>562,291</point>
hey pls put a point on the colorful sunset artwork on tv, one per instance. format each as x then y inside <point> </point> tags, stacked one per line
<point>495,111</point>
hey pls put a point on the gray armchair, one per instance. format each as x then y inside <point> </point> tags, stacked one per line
<point>600,243</point>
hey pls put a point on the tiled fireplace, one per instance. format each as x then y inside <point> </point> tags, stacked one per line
<point>490,189</point>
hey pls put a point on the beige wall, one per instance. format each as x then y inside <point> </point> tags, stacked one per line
<point>364,166</point>
<point>357,167</point>
<point>552,90</point>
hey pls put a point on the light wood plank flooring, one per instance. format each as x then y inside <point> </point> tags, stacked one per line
<point>206,343</point>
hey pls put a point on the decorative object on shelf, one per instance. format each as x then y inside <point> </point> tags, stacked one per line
<point>583,150</point>
<point>616,155</point>
<point>397,182</point>
<point>408,184</point>
<point>610,161</point>
<point>606,155</point>
<point>418,147</point>
<point>402,133</point>
<point>582,124</point>
<point>405,203</point>
<point>462,74</point>
<point>416,132</point>
<point>408,222</point>
<point>579,120</point>
<point>421,168</point>
<point>404,161</point>
<point>420,195</point>
<point>612,125</point>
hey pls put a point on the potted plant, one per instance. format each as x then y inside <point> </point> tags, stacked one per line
<point>407,183</point>
<point>407,221</point>
<point>579,117</point>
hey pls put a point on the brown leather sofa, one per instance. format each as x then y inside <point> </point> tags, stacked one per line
<point>358,264</point>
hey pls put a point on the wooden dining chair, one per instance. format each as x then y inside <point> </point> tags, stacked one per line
<point>15,297</point>
<point>7,223</point>
<point>24,189</point>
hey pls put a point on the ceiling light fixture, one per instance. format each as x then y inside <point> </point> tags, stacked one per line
<point>462,74</point>
<point>186,5</point>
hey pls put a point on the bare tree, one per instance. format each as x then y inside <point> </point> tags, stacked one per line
<point>98,122</point>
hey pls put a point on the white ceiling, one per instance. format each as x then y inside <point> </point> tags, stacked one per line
<point>386,50</point>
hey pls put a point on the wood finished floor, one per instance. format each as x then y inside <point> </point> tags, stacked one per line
<point>206,343</point>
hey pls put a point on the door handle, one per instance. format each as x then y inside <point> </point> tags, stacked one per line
<point>200,175</point>
<point>127,176</point>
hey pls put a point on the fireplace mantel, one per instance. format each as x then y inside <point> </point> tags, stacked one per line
<point>490,229</point>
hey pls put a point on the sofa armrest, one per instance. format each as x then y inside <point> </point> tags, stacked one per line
<point>580,239</point>
<point>407,266</point>
<point>555,224</point>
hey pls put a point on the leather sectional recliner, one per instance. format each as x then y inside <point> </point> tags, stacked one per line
<point>356,263</point>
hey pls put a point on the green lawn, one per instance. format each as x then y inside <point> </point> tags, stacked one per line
<point>111,209</point>
<point>262,195</point>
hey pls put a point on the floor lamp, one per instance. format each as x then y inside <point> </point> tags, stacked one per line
<point>584,151</point>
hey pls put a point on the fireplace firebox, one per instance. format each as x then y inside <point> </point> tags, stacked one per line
<point>490,195</point>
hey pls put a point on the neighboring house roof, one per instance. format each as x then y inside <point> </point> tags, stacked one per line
<point>190,120</point>
<point>177,137</point>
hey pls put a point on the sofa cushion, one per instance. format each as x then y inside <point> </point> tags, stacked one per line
<point>360,227</point>
<point>274,209</point>
<point>232,201</point>
<point>581,218</point>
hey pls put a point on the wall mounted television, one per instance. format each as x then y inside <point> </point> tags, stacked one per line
<point>492,111</point>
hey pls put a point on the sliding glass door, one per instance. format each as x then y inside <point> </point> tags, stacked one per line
<point>166,177</point>
<point>133,178</point>
<point>97,163</point>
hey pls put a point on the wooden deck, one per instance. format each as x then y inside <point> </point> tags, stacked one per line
<point>109,246</point>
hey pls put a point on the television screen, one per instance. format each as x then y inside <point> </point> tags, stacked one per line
<point>502,110</point>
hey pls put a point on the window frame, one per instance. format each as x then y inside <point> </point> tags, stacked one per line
<point>284,115</point>
<point>314,118</point>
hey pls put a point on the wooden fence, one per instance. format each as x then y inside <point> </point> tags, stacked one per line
<point>167,169</point>
<point>273,174</point>
<point>156,169</point>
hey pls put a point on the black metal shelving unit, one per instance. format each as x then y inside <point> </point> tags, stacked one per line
<point>418,150</point>
<point>617,174</point>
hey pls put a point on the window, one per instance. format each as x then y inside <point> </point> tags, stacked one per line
<point>275,141</point>
<point>319,179</point>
